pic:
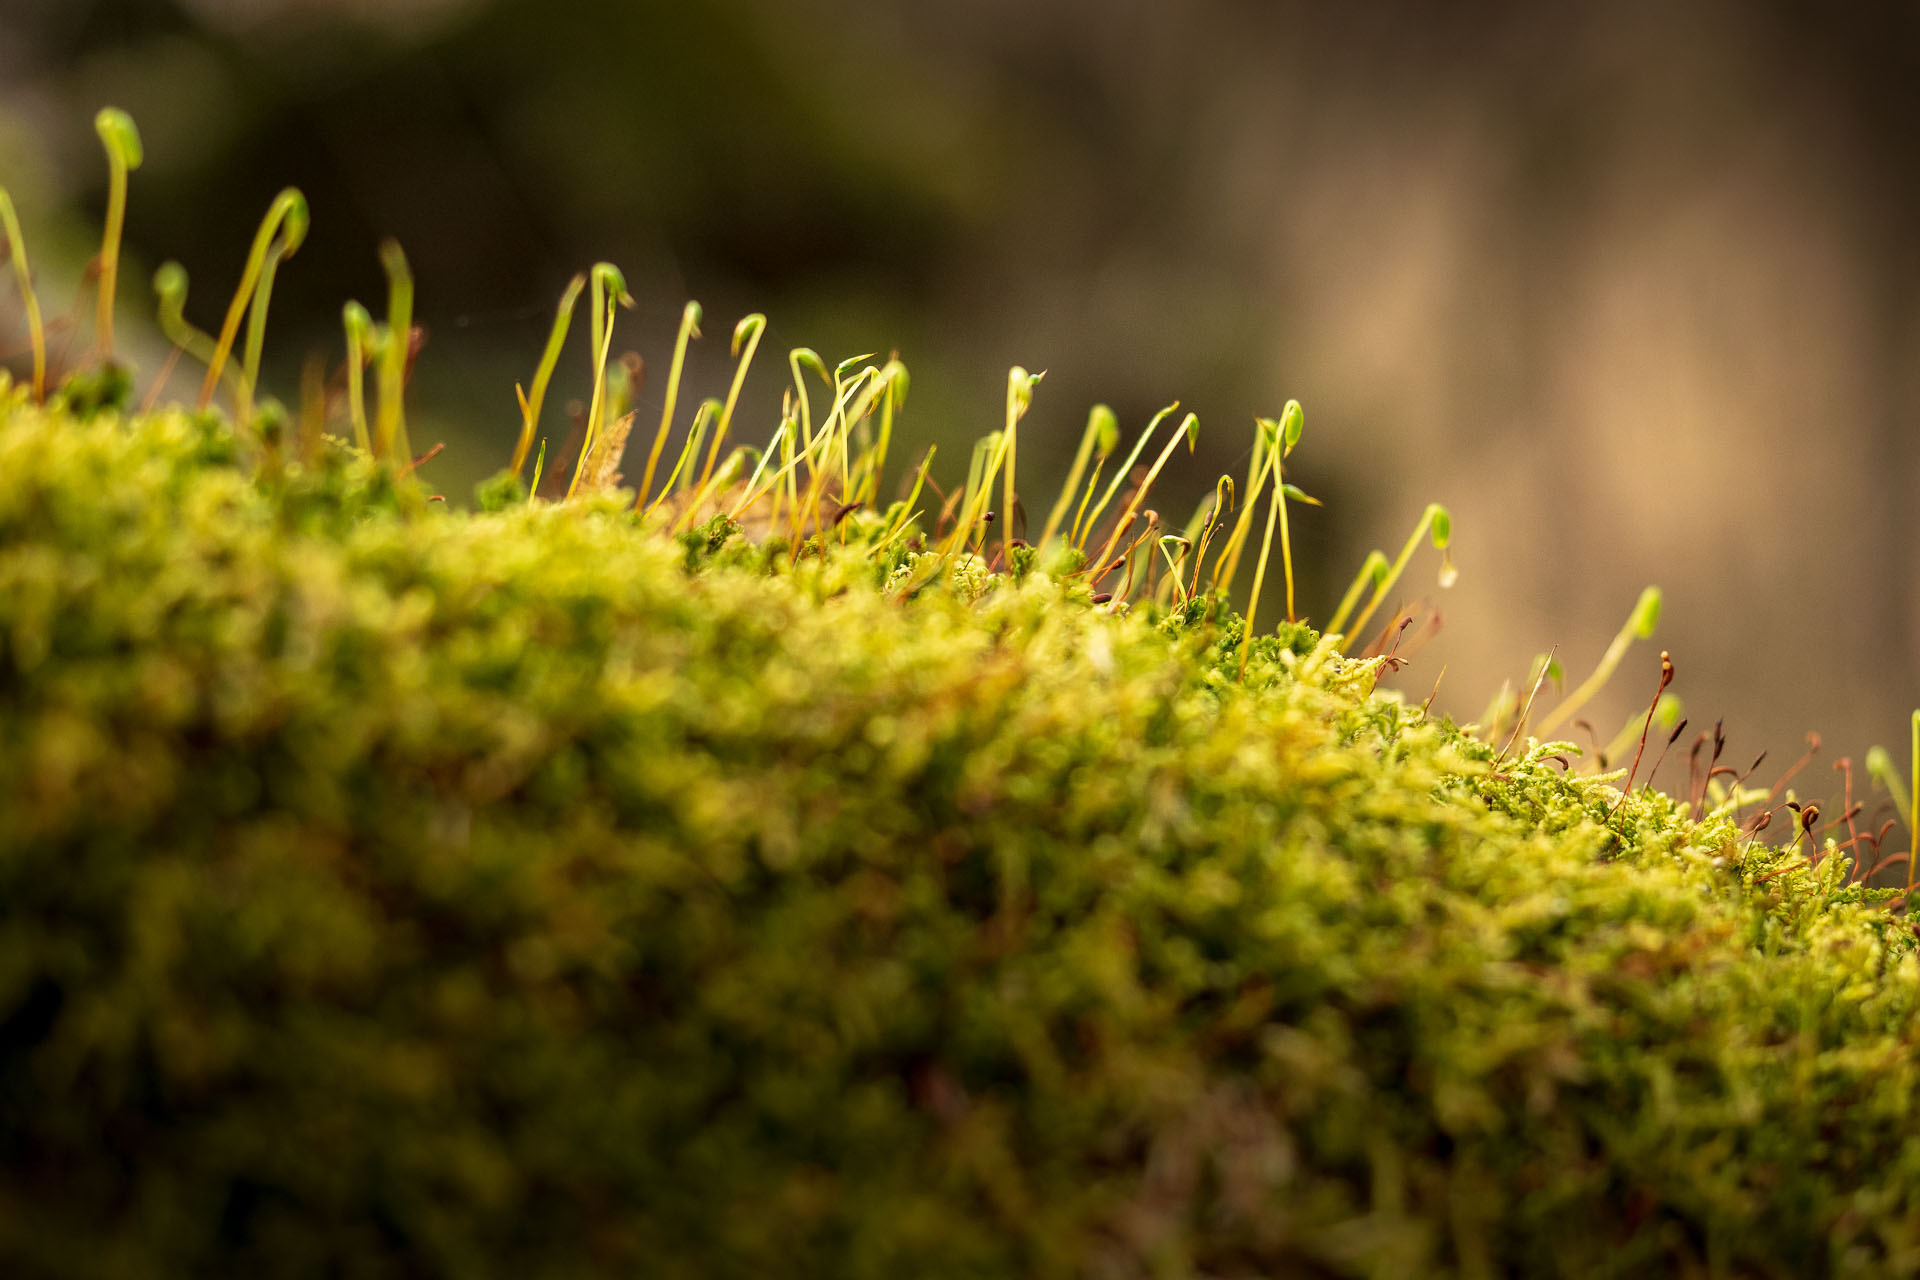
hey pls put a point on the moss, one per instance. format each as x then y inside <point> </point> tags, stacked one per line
<point>397,891</point>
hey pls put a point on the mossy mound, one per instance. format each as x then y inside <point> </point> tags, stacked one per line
<point>394,891</point>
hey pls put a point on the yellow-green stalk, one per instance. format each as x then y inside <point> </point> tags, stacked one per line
<point>124,154</point>
<point>539,465</point>
<point>1373,572</point>
<point>1085,530</point>
<point>894,375</point>
<point>799,359</point>
<point>707,413</point>
<point>1434,521</point>
<point>1267,428</point>
<point>360,347</point>
<point>689,329</point>
<point>1227,565</point>
<point>1667,709</point>
<point>1292,422</point>
<point>170,288</point>
<point>746,333</point>
<point>1913,808</point>
<point>293,230</point>
<point>906,510</point>
<point>530,402</point>
<point>390,426</point>
<point>1019,400</point>
<point>1174,587</point>
<point>1189,430</point>
<point>1640,625</point>
<point>1215,516</point>
<point>283,204</point>
<point>609,291</point>
<point>23,275</point>
<point>1103,432</point>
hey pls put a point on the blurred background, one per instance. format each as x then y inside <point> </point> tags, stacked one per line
<point>1632,287</point>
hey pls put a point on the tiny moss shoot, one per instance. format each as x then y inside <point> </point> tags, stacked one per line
<point>1435,522</point>
<point>1108,429</point>
<point>1270,435</point>
<point>550,358</point>
<point>746,341</point>
<point>1119,477</point>
<point>689,330</point>
<point>1372,576</point>
<point>170,289</point>
<point>390,432</point>
<point>293,230</point>
<point>283,206</point>
<point>362,346</point>
<point>607,293</point>
<point>124,154</point>
<point>1188,433</point>
<point>1103,429</point>
<point>29,300</point>
<point>1292,423</point>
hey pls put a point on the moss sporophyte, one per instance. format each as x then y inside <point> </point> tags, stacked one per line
<point>747,874</point>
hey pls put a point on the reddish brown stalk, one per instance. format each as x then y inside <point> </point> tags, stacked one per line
<point>1813,746</point>
<point>1891,860</point>
<point>1666,678</point>
<point>948,504</point>
<point>1697,793</point>
<point>1593,736</point>
<point>1526,708</point>
<point>65,325</point>
<point>416,340</point>
<point>1109,567</point>
<point>1126,557</point>
<point>1795,865</point>
<point>1845,765</point>
<point>424,458</point>
<point>313,407</point>
<point>1696,785</point>
<point>1661,759</point>
<point>160,382</point>
<point>1805,817</point>
<point>1215,519</point>
<point>1392,657</point>
<point>1844,820</point>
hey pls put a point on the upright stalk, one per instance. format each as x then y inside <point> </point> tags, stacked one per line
<point>530,403</point>
<point>23,275</point>
<point>390,431</point>
<point>122,142</point>
<point>282,207</point>
<point>689,329</point>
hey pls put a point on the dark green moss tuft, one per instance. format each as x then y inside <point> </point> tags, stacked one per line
<point>499,491</point>
<point>105,388</point>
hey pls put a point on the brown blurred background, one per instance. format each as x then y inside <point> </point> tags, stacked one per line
<point>1632,287</point>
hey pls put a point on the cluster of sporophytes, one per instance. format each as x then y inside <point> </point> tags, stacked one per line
<point>733,875</point>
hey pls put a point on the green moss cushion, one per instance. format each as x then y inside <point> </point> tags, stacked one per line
<point>386,890</point>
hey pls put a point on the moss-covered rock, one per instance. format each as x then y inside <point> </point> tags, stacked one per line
<point>387,890</point>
